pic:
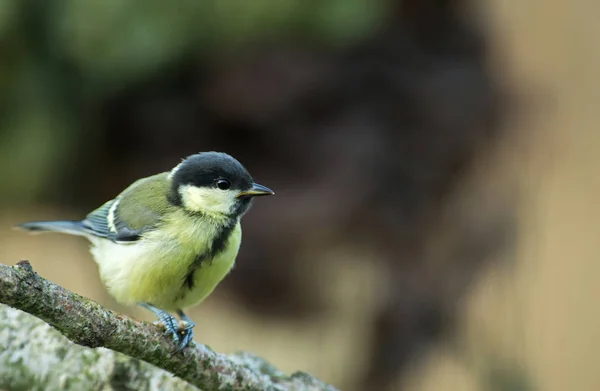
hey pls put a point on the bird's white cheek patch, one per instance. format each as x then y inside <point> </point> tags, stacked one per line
<point>207,200</point>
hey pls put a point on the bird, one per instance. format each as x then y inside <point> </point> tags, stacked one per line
<point>166,241</point>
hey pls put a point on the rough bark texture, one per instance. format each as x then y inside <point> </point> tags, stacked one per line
<point>38,357</point>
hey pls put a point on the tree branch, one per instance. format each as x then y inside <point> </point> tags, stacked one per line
<point>87,323</point>
<point>36,356</point>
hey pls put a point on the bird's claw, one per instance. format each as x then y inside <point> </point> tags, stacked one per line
<point>186,336</point>
<point>169,323</point>
<point>182,332</point>
<point>186,331</point>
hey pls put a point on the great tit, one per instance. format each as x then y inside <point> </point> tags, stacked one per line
<point>167,240</point>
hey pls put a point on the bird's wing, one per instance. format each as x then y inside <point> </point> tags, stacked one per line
<point>146,202</point>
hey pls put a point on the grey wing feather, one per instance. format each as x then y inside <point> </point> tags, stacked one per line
<point>99,224</point>
<point>97,221</point>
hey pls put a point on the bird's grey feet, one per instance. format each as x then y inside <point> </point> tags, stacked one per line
<point>186,330</point>
<point>165,320</point>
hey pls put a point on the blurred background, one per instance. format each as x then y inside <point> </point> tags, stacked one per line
<point>435,164</point>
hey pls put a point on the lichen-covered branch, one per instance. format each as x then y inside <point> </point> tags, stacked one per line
<point>36,356</point>
<point>35,350</point>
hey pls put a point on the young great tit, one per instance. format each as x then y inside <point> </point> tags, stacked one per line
<point>167,240</point>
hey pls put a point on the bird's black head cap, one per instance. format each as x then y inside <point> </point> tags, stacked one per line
<point>206,169</point>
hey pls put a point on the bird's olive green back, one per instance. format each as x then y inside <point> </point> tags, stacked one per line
<point>143,203</point>
<point>138,209</point>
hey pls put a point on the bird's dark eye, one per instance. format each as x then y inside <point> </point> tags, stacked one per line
<point>223,184</point>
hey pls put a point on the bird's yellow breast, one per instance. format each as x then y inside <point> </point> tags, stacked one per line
<point>155,268</point>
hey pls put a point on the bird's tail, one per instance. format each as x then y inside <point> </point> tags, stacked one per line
<point>67,227</point>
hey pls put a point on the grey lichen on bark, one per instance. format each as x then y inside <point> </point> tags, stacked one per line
<point>35,356</point>
<point>126,354</point>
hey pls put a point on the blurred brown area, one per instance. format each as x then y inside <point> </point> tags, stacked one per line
<point>431,230</point>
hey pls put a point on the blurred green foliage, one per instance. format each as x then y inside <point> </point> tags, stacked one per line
<point>59,58</point>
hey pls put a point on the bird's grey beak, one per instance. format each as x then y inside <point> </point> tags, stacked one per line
<point>255,191</point>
